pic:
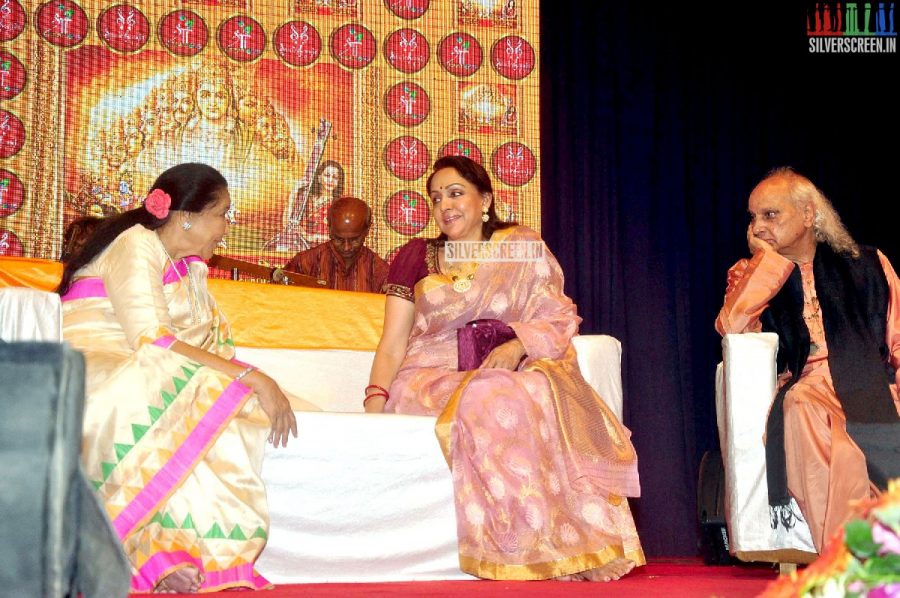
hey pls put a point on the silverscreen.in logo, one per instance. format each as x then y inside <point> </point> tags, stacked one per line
<point>499,251</point>
<point>851,27</point>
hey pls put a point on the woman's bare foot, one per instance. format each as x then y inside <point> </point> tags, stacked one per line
<point>572,577</point>
<point>186,580</point>
<point>612,570</point>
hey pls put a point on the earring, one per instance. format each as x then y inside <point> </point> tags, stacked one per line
<point>185,225</point>
<point>484,215</point>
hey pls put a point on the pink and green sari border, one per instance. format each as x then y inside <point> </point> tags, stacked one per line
<point>183,460</point>
<point>162,564</point>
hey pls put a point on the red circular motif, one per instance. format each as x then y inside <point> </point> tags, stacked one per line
<point>11,193</point>
<point>407,212</point>
<point>9,243</point>
<point>12,134</point>
<point>12,20</point>
<point>407,50</point>
<point>407,157</point>
<point>462,147</point>
<point>512,57</point>
<point>241,38</point>
<point>353,46</point>
<point>183,33</point>
<point>407,9</point>
<point>124,28</point>
<point>61,23</point>
<point>407,104</point>
<point>460,54</point>
<point>297,43</point>
<point>12,76</point>
<point>513,163</point>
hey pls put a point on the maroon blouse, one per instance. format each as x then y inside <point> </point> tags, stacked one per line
<point>410,265</point>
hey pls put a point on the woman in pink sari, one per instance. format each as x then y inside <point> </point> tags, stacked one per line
<point>174,426</point>
<point>541,468</point>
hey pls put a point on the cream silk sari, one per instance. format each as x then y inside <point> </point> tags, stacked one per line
<point>541,467</point>
<point>173,448</point>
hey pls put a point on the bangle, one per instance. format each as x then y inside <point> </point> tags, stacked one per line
<point>376,387</point>
<point>249,369</point>
<point>373,395</point>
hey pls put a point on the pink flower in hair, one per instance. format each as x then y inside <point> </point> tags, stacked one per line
<point>157,203</point>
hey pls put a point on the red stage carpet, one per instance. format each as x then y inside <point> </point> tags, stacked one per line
<point>672,578</point>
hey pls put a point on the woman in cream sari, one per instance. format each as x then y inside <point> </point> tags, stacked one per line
<point>541,467</point>
<point>174,427</point>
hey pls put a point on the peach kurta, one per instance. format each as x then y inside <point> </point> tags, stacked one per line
<point>826,470</point>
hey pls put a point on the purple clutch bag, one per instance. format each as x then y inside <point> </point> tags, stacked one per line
<point>478,338</point>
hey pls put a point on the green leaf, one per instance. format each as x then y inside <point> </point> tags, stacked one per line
<point>883,568</point>
<point>859,539</point>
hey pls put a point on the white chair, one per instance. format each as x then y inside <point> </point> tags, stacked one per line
<point>745,388</point>
<point>30,315</point>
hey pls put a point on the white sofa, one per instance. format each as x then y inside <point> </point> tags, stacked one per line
<point>361,497</point>
<point>745,388</point>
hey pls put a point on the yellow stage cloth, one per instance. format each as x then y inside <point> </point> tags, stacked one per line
<point>261,315</point>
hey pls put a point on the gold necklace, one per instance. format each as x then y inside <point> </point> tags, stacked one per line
<point>461,283</point>
<point>192,293</point>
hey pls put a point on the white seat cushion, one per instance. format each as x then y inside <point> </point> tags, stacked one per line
<point>30,315</point>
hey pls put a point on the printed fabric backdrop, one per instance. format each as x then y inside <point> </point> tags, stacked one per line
<point>296,102</point>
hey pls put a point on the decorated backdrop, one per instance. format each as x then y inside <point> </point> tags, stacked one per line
<point>296,102</point>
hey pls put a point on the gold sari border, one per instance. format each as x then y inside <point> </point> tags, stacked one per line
<point>444,425</point>
<point>550,569</point>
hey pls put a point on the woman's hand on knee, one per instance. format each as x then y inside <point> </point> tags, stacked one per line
<point>276,406</point>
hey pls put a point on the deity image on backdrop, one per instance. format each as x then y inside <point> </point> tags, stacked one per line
<point>212,112</point>
<point>304,223</point>
<point>487,108</point>
<point>499,13</point>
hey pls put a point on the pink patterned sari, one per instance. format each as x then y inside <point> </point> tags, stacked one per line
<point>541,467</point>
